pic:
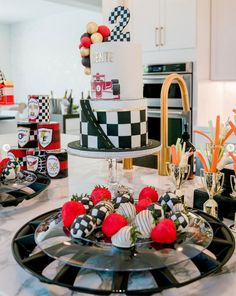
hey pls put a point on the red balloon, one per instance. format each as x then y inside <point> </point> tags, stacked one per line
<point>104,31</point>
<point>86,42</point>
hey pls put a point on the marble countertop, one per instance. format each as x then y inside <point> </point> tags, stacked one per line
<point>84,173</point>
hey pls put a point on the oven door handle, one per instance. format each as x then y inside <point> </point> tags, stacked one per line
<point>155,78</point>
<point>173,114</point>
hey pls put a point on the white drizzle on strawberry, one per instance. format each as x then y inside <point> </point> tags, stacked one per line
<point>144,222</point>
<point>127,210</point>
<point>122,239</point>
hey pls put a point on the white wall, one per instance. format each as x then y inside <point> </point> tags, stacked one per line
<point>5,50</point>
<point>213,98</point>
<point>45,54</point>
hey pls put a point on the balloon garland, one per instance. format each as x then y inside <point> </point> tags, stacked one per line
<point>94,34</point>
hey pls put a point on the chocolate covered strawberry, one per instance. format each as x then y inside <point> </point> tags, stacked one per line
<point>70,210</point>
<point>85,200</point>
<point>142,204</point>
<point>164,232</point>
<point>113,223</point>
<point>100,193</point>
<point>148,192</point>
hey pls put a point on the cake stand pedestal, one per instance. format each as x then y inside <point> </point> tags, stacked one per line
<point>112,155</point>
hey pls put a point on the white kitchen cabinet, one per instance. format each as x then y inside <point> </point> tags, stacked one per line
<point>223,40</point>
<point>164,24</point>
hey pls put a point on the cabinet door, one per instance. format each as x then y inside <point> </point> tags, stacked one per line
<point>178,24</point>
<point>223,40</point>
<point>145,24</point>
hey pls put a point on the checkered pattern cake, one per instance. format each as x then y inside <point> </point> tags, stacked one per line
<point>124,128</point>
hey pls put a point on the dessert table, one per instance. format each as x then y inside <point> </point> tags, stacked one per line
<point>84,173</point>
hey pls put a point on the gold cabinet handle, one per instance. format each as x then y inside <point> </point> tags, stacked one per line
<point>156,37</point>
<point>161,36</point>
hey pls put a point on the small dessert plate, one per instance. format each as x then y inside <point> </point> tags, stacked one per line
<point>23,179</point>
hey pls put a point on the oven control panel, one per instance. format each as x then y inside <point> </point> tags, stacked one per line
<point>168,68</point>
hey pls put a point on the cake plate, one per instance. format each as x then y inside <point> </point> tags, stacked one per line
<point>87,259</point>
<point>112,155</point>
<point>12,195</point>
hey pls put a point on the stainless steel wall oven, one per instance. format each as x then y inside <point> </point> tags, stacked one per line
<point>153,78</point>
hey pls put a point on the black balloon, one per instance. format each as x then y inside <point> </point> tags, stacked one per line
<point>86,62</point>
<point>85,35</point>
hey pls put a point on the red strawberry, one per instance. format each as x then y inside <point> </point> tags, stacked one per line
<point>142,204</point>
<point>113,223</point>
<point>164,232</point>
<point>70,210</point>
<point>100,193</point>
<point>148,192</point>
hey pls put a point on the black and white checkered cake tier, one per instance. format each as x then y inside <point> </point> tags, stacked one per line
<point>124,124</point>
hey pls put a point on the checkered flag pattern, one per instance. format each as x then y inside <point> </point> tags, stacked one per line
<point>99,212</point>
<point>87,202</point>
<point>116,33</point>
<point>108,205</point>
<point>22,161</point>
<point>122,199</point>
<point>125,129</point>
<point>33,135</point>
<point>44,109</point>
<point>169,199</point>
<point>83,226</point>
<point>2,77</point>
<point>181,221</point>
<point>156,210</point>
